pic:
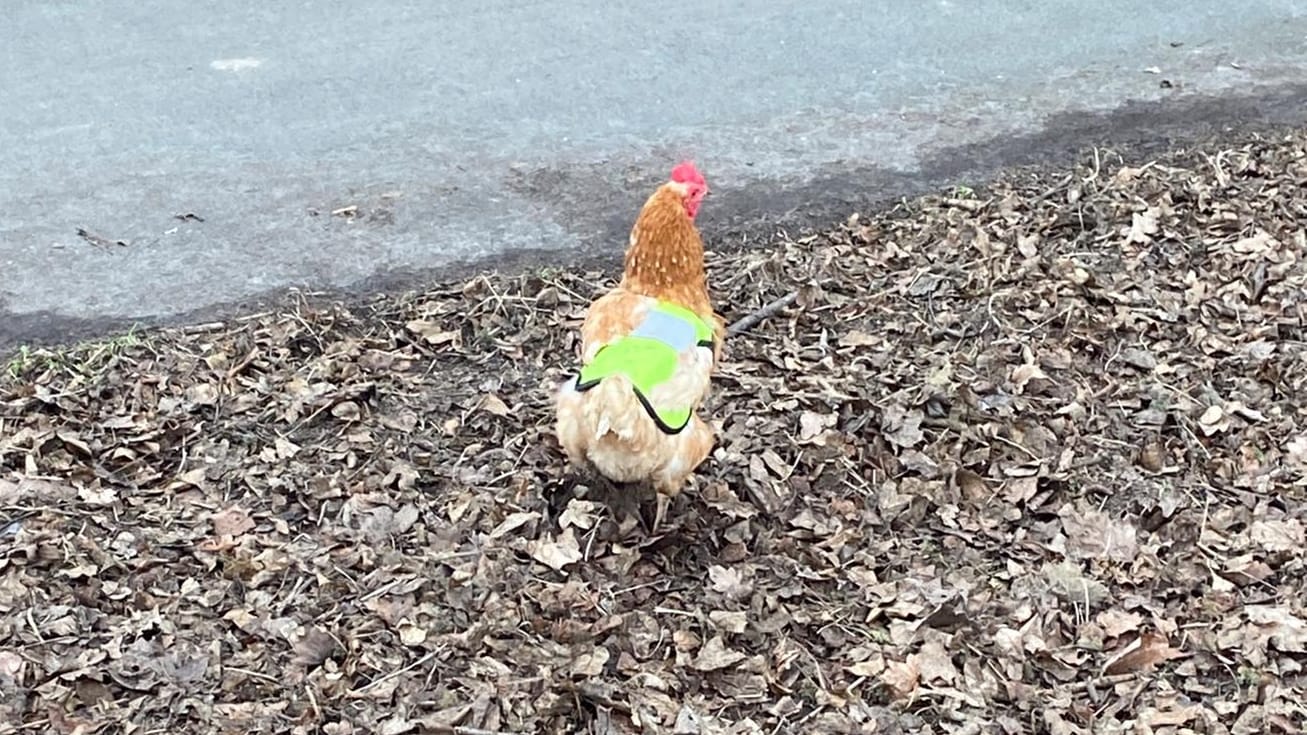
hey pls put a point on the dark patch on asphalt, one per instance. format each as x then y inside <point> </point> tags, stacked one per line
<point>1137,130</point>
<point>595,200</point>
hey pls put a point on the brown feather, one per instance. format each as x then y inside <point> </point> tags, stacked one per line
<point>665,259</point>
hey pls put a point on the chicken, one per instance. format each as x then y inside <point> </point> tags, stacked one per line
<point>648,350</point>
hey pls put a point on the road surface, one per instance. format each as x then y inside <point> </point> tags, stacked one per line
<point>202,147</point>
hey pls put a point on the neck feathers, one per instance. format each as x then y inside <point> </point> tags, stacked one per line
<point>665,259</point>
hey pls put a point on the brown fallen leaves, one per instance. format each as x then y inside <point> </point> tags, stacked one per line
<point>1028,461</point>
<point>1142,654</point>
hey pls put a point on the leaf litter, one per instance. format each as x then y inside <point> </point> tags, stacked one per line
<point>1032,460</point>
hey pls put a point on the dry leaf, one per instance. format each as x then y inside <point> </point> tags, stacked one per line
<point>193,477</point>
<point>901,678</point>
<point>11,665</point>
<point>346,411</point>
<point>1028,246</point>
<point>513,522</point>
<point>812,424</point>
<point>432,333</point>
<point>1259,242</point>
<point>1284,630</point>
<point>1152,457</point>
<point>1092,534</point>
<point>935,665</point>
<point>1213,421</point>
<point>1023,374</point>
<point>1140,359</point>
<point>1142,226</point>
<point>1020,489</point>
<point>855,338</point>
<point>731,622</point>
<point>715,655</point>
<point>1297,450</point>
<point>1177,715</point>
<point>902,427</point>
<point>1116,623</point>
<point>558,553</point>
<point>97,496</point>
<point>397,725</point>
<point>1141,654</point>
<point>578,513</point>
<point>284,448</point>
<point>1068,582</point>
<point>866,668</point>
<point>728,581</point>
<point>232,521</point>
<point>972,485</point>
<point>592,663</point>
<point>491,403</point>
<point>1278,535</point>
<point>314,647</point>
<point>412,635</point>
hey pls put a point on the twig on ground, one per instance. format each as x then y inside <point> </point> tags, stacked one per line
<point>1061,186</point>
<point>394,674</point>
<point>749,321</point>
<point>1100,681</point>
<point>465,730</point>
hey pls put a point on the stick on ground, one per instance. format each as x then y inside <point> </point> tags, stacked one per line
<point>749,321</point>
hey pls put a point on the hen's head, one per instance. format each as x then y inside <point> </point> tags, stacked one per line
<point>691,182</point>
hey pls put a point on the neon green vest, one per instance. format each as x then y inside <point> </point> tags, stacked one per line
<point>648,357</point>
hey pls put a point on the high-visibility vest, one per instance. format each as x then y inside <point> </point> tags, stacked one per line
<point>648,357</point>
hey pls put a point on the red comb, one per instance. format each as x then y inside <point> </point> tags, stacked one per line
<point>686,173</point>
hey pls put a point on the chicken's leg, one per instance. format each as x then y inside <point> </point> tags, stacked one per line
<point>662,502</point>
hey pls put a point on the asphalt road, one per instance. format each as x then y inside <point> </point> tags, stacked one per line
<point>450,133</point>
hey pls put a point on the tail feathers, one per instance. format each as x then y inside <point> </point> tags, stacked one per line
<point>613,409</point>
<point>608,430</point>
